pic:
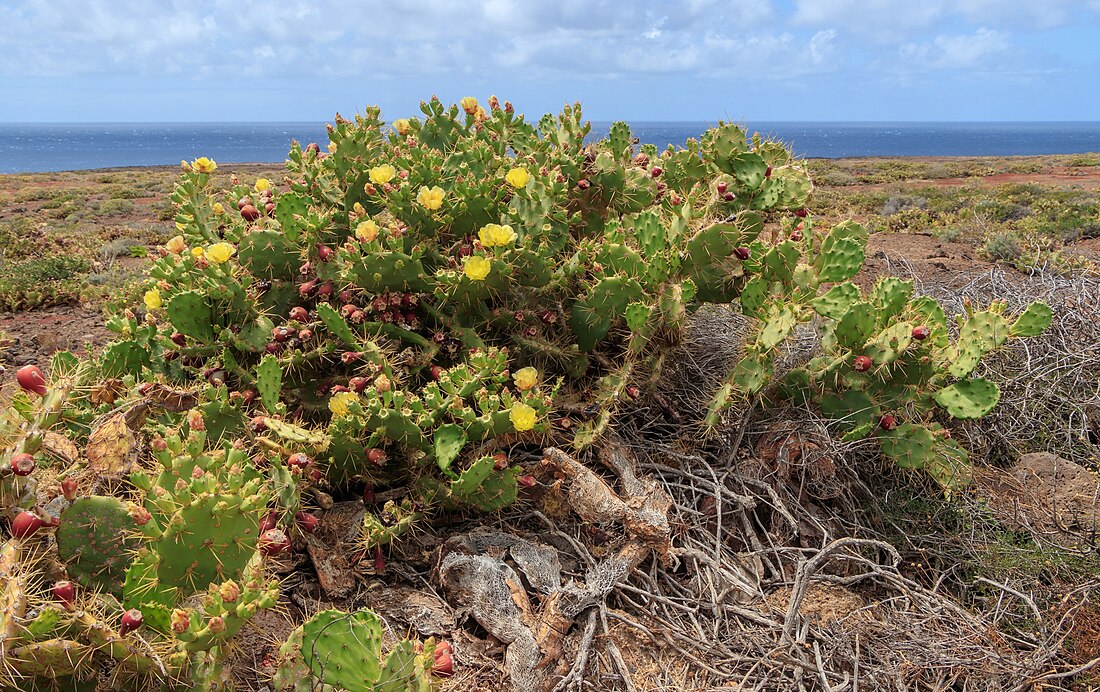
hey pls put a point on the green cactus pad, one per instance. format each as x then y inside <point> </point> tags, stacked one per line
<point>909,446</point>
<point>405,670</point>
<point>890,296</point>
<point>269,381</point>
<point>485,488</point>
<point>210,540</point>
<point>269,254</point>
<point>191,315</point>
<point>449,440</point>
<point>95,540</point>
<point>344,649</point>
<point>856,326</point>
<point>836,301</point>
<point>777,327</point>
<point>336,324</point>
<point>1033,321</point>
<point>968,399</point>
<point>890,343</point>
<point>843,260</point>
<point>852,409</point>
<point>981,334</point>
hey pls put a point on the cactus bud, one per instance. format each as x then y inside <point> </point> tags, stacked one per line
<point>195,420</point>
<point>436,372</point>
<point>500,461</point>
<point>382,383</point>
<point>376,456</point>
<point>887,422</point>
<point>25,524</point>
<point>216,624</point>
<point>30,378</point>
<point>22,464</point>
<point>768,172</point>
<point>443,660</point>
<point>526,481</point>
<point>131,620</point>
<point>862,363</point>
<point>68,489</point>
<point>722,187</point>
<point>801,213</point>
<point>180,620</point>
<point>742,253</point>
<point>358,384</point>
<point>259,424</point>
<point>379,561</point>
<point>64,592</point>
<point>349,357</point>
<point>229,591</point>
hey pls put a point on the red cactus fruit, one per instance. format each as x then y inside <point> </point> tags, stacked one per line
<point>921,333</point>
<point>22,464</point>
<point>722,187</point>
<point>268,521</point>
<point>743,253</point>
<point>31,379</point>
<point>63,593</point>
<point>249,213</point>
<point>299,314</point>
<point>25,524</point>
<point>306,521</point>
<point>376,456</point>
<point>131,620</point>
<point>888,422</point>
<point>862,364</point>
<point>274,542</point>
<point>656,172</point>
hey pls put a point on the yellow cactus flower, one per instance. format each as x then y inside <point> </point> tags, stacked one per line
<point>526,378</point>
<point>380,175</point>
<point>219,253</point>
<point>340,403</point>
<point>204,165</point>
<point>480,114</point>
<point>197,252</point>
<point>518,177</point>
<point>180,226</point>
<point>495,235</point>
<point>358,209</point>
<point>218,209</point>
<point>523,417</point>
<point>332,147</point>
<point>477,267</point>
<point>402,126</point>
<point>185,167</point>
<point>262,184</point>
<point>469,104</point>
<point>366,231</point>
<point>430,199</point>
<point>152,299</point>
<point>176,245</point>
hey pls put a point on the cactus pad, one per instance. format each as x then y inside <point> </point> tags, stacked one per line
<point>96,539</point>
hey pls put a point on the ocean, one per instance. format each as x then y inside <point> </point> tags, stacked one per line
<point>60,146</point>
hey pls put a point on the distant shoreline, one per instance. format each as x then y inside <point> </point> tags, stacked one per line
<point>252,165</point>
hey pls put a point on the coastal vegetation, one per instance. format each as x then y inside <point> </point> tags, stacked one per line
<point>465,398</point>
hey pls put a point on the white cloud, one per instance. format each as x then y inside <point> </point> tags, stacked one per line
<point>956,52</point>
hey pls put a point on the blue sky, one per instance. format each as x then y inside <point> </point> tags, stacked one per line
<point>756,60</point>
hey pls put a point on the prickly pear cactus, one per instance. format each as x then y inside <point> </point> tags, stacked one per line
<point>344,651</point>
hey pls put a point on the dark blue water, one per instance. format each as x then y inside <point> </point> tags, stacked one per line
<point>58,147</point>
